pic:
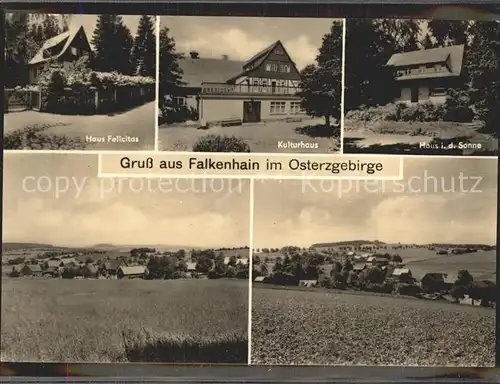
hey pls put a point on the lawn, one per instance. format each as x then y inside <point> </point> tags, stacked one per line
<point>261,137</point>
<point>70,132</point>
<point>54,320</point>
<point>397,137</point>
<point>323,328</point>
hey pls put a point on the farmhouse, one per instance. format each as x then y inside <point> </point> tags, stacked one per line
<point>31,270</point>
<point>51,272</point>
<point>64,48</point>
<point>54,263</point>
<point>262,88</point>
<point>111,266</point>
<point>137,271</point>
<point>426,75</point>
<point>191,266</point>
<point>358,267</point>
<point>435,282</point>
<point>403,275</point>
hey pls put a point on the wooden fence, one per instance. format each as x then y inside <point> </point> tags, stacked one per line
<point>81,100</point>
<point>16,100</point>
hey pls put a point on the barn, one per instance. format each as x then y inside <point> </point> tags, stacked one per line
<point>136,272</point>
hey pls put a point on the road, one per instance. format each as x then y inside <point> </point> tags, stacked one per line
<point>138,124</point>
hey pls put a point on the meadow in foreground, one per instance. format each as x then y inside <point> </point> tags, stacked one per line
<point>320,328</point>
<point>191,321</point>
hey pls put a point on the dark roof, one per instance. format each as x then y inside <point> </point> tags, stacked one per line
<point>451,55</point>
<point>197,71</point>
<point>436,276</point>
<point>112,265</point>
<point>66,37</point>
<point>262,54</point>
<point>34,267</point>
<point>51,270</point>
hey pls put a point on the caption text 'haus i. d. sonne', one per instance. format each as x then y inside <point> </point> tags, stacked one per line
<point>261,89</point>
<point>426,75</point>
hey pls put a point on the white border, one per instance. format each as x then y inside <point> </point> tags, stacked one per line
<point>230,154</point>
<point>250,269</point>
<point>157,80</point>
<point>342,91</point>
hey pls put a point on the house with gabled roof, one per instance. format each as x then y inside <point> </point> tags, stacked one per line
<point>66,47</point>
<point>135,272</point>
<point>111,266</point>
<point>426,75</point>
<point>260,89</point>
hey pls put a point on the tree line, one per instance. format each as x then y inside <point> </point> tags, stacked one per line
<point>115,49</point>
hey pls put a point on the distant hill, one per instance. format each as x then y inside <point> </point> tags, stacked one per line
<point>477,246</point>
<point>104,245</point>
<point>347,243</point>
<point>15,246</point>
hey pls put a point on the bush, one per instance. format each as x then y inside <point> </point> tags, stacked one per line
<point>220,143</point>
<point>409,290</point>
<point>457,107</point>
<point>34,137</point>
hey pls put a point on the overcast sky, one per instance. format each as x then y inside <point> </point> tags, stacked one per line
<point>200,213</point>
<point>294,213</point>
<point>242,37</point>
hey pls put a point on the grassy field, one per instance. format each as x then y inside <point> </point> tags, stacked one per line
<point>308,327</point>
<point>54,320</point>
<point>261,137</point>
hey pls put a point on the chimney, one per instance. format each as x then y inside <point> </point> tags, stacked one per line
<point>225,57</point>
<point>194,55</point>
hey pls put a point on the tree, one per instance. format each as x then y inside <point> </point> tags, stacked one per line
<point>320,87</point>
<point>397,259</point>
<point>464,278</point>
<point>232,261</point>
<point>204,264</point>
<point>484,71</point>
<point>448,32</point>
<point>170,73</point>
<point>368,48</point>
<point>427,42</point>
<point>144,50</point>
<point>264,270</point>
<point>113,44</point>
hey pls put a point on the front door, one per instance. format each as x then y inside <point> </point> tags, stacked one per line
<point>251,111</point>
<point>414,94</point>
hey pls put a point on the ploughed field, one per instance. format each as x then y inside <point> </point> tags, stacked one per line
<point>308,327</point>
<point>57,320</point>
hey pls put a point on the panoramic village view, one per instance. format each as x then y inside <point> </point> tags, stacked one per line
<point>104,273</point>
<point>425,87</point>
<point>378,276</point>
<point>79,81</point>
<point>250,84</point>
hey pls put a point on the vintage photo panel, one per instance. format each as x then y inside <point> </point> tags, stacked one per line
<point>124,270</point>
<point>241,84</point>
<point>426,87</point>
<point>80,82</point>
<point>378,272</point>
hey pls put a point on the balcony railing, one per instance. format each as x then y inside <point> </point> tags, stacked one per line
<point>223,88</point>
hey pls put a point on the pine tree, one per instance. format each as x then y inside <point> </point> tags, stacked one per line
<point>50,27</point>
<point>144,51</point>
<point>321,82</point>
<point>426,42</point>
<point>484,72</point>
<point>448,32</point>
<point>113,43</point>
<point>170,73</point>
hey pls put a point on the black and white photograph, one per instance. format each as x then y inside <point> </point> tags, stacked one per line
<point>378,273</point>
<point>422,87</point>
<point>243,84</point>
<point>79,82</point>
<point>121,270</point>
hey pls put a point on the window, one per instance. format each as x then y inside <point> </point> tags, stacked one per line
<point>285,68</point>
<point>438,91</point>
<point>295,107</point>
<point>278,107</point>
<point>179,100</point>
<point>74,51</point>
<point>272,67</point>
